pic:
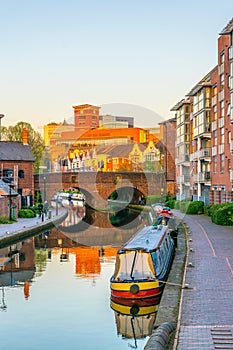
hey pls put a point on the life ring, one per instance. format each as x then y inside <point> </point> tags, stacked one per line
<point>134,289</point>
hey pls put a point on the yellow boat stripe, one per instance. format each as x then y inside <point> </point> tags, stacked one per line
<point>144,310</point>
<point>124,286</point>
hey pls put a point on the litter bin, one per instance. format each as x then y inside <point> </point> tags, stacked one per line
<point>50,214</point>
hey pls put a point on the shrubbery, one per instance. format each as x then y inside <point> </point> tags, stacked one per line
<point>195,207</point>
<point>26,213</point>
<point>223,215</point>
<point>6,220</point>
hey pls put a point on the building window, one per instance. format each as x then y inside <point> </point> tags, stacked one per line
<point>222,57</point>
<point>21,174</point>
<point>222,163</point>
<point>215,137</point>
<point>215,164</point>
<point>222,109</point>
<point>215,113</point>
<point>222,135</point>
<point>222,81</point>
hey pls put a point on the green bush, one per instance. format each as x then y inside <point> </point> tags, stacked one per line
<point>26,213</point>
<point>214,208</point>
<point>195,207</point>
<point>224,215</point>
<point>5,220</point>
<point>207,209</point>
<point>170,203</point>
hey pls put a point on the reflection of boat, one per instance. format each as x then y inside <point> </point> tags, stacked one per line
<point>143,264</point>
<point>67,198</point>
<point>134,322</point>
<point>135,307</point>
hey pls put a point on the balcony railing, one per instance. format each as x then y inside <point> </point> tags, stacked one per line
<point>202,153</point>
<point>202,177</point>
<point>182,159</point>
<point>183,179</point>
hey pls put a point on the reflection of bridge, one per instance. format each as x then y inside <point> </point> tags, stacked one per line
<point>97,186</point>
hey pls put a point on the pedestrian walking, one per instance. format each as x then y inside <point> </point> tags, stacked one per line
<point>40,208</point>
<point>46,207</point>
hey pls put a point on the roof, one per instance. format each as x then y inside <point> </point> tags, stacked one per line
<point>147,238</point>
<point>119,151</point>
<point>15,151</point>
<point>228,29</point>
<point>5,189</point>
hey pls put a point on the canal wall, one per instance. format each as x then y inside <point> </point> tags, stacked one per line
<point>26,232</point>
<point>167,317</point>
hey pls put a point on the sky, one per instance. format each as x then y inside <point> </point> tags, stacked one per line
<point>130,57</point>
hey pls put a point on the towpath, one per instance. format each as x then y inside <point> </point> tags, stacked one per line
<point>206,311</point>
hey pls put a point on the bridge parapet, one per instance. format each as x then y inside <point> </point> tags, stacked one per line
<point>98,186</point>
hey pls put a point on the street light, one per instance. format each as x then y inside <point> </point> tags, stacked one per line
<point>10,201</point>
<point>44,178</point>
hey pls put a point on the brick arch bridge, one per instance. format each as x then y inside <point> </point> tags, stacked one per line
<point>98,186</point>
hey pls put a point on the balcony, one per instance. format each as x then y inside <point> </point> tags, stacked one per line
<point>183,179</point>
<point>205,152</point>
<point>202,153</point>
<point>183,159</point>
<point>203,177</point>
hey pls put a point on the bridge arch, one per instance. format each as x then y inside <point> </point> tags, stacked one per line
<point>98,186</point>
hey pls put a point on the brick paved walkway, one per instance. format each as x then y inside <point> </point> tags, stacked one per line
<point>206,320</point>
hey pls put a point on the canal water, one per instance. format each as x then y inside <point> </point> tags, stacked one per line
<point>55,291</point>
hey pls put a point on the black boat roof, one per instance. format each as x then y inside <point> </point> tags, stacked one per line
<point>148,238</point>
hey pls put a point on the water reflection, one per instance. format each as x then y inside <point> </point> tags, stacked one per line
<point>96,228</point>
<point>135,319</point>
<point>56,273</point>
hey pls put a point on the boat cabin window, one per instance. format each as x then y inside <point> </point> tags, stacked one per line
<point>133,265</point>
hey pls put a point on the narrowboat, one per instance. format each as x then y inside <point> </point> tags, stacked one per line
<point>143,264</point>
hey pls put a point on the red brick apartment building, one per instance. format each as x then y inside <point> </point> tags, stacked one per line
<point>204,131</point>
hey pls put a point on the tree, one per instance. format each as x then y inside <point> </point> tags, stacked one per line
<point>35,140</point>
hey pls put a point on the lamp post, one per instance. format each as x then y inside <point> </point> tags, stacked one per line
<point>44,178</point>
<point>10,207</point>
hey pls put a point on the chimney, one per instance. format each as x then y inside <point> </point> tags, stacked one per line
<point>25,136</point>
<point>1,116</point>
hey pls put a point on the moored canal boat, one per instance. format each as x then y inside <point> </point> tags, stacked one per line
<point>143,264</point>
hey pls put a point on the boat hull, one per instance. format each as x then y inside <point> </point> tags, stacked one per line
<point>136,290</point>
